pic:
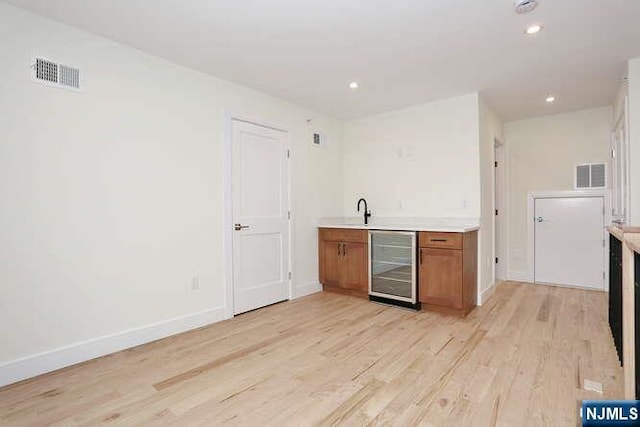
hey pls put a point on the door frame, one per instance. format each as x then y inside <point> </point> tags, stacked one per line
<point>621,121</point>
<point>531,196</point>
<point>227,223</point>
<point>500,245</point>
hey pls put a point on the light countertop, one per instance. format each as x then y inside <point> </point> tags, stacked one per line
<point>451,225</point>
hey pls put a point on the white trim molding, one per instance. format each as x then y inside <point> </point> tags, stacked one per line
<point>501,221</point>
<point>306,289</point>
<point>520,276</point>
<point>486,294</point>
<point>37,364</point>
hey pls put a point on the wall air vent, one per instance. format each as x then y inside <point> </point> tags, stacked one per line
<point>51,73</point>
<point>591,175</point>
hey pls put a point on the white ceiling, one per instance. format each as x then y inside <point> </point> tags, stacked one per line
<point>402,52</point>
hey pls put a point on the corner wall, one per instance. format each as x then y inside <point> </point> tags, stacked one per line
<point>112,199</point>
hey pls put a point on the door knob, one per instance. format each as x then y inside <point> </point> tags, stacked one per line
<point>539,219</point>
<point>240,226</point>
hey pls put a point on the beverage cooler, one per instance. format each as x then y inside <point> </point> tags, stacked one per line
<point>392,268</point>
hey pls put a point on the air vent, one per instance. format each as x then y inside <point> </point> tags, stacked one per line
<point>591,175</point>
<point>51,73</point>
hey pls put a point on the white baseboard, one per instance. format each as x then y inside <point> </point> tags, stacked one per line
<point>307,289</point>
<point>31,366</point>
<point>520,276</point>
<point>486,294</point>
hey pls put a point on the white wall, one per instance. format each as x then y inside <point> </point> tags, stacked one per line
<point>112,199</point>
<point>421,161</point>
<point>634,141</point>
<point>542,154</point>
<point>490,131</point>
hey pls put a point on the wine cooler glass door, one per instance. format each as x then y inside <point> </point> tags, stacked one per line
<point>392,269</point>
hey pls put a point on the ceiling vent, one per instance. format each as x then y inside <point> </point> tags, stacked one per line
<point>54,74</point>
<point>591,175</point>
<point>525,6</point>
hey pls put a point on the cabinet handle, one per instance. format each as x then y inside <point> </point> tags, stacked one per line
<point>420,251</point>
<point>344,249</point>
<point>438,240</point>
<point>339,246</point>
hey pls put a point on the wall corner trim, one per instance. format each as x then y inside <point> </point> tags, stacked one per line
<point>306,289</point>
<point>520,276</point>
<point>486,293</point>
<point>37,364</point>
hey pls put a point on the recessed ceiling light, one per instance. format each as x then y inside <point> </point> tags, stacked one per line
<point>353,85</point>
<point>550,99</point>
<point>533,29</point>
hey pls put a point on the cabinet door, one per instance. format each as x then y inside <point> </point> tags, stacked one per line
<point>329,262</point>
<point>441,277</point>
<point>354,266</point>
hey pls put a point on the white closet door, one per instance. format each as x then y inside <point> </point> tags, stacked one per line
<point>260,215</point>
<point>569,245</point>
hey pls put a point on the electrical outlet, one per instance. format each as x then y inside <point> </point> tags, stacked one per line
<point>195,283</point>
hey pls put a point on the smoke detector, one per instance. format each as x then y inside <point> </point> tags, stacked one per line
<point>525,6</point>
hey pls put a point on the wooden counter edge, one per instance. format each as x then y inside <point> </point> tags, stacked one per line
<point>633,242</point>
<point>630,238</point>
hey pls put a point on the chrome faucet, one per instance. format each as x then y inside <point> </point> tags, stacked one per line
<point>367,213</point>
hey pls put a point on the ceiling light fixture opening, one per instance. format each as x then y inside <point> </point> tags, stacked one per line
<point>533,29</point>
<point>525,6</point>
<point>354,85</point>
<point>550,99</point>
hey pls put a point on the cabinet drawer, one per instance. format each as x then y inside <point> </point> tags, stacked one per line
<point>344,235</point>
<point>430,239</point>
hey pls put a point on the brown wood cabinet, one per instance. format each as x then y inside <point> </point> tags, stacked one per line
<point>447,271</point>
<point>344,260</point>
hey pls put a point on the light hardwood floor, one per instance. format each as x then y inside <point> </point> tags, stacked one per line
<point>334,359</point>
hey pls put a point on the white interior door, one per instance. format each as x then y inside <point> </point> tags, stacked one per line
<point>569,241</point>
<point>259,192</point>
